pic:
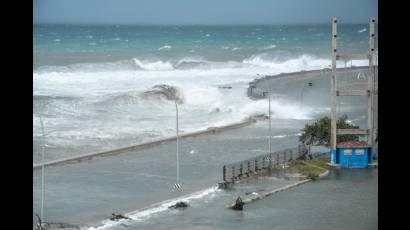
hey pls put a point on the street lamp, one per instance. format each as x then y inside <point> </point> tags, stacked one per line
<point>42,168</point>
<point>303,90</point>
<point>264,94</point>
<point>177,130</point>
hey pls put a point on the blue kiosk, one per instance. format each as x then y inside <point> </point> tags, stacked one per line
<point>354,154</point>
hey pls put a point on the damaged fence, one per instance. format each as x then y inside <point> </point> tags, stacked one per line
<point>246,168</point>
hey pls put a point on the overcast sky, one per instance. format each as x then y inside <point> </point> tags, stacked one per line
<point>183,12</point>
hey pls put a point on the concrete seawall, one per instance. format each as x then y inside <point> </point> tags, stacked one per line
<point>88,156</point>
<point>259,85</point>
<point>268,193</point>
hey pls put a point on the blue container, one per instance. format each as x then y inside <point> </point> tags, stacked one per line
<point>352,156</point>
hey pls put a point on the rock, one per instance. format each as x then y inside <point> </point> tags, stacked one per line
<point>238,204</point>
<point>180,204</point>
<point>118,217</point>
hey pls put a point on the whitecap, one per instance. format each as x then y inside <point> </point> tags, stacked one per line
<point>302,62</point>
<point>153,65</point>
<point>270,47</point>
<point>362,30</point>
<point>164,47</point>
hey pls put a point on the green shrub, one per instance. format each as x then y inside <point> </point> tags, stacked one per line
<point>318,133</point>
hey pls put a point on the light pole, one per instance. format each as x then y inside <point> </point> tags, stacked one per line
<point>270,126</point>
<point>178,186</point>
<point>303,90</point>
<point>42,169</point>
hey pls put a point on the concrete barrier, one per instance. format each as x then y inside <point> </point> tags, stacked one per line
<point>266,194</point>
<point>211,130</point>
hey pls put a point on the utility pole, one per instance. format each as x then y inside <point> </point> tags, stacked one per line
<point>370,85</point>
<point>270,125</point>
<point>369,92</point>
<point>42,169</point>
<point>177,130</point>
<point>333,86</point>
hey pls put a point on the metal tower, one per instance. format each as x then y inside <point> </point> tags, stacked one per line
<point>370,92</point>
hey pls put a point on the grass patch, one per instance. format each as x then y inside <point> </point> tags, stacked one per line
<point>319,162</point>
<point>309,168</point>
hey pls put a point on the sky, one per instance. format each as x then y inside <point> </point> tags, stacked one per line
<point>211,12</point>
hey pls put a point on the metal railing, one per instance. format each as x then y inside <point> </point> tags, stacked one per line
<point>236,171</point>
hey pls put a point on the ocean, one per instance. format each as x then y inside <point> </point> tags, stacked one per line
<point>89,85</point>
<point>88,80</point>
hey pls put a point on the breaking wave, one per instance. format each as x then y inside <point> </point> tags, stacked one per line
<point>167,92</point>
<point>164,47</point>
<point>109,95</point>
<point>302,62</point>
<point>155,65</point>
<point>279,61</point>
<point>270,47</point>
<point>147,212</point>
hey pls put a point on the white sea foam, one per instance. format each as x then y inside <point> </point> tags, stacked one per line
<point>164,47</point>
<point>270,47</point>
<point>362,30</point>
<point>147,212</point>
<point>109,93</point>
<point>282,136</point>
<point>280,110</point>
<point>191,59</point>
<point>154,65</point>
<point>303,62</point>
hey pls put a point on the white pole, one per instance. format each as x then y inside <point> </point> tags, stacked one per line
<point>42,170</point>
<point>333,87</point>
<point>370,102</point>
<point>176,108</point>
<point>270,149</point>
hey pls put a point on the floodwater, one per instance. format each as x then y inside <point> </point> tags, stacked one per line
<point>347,199</point>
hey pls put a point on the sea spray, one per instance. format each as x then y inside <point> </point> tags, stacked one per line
<point>147,212</point>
